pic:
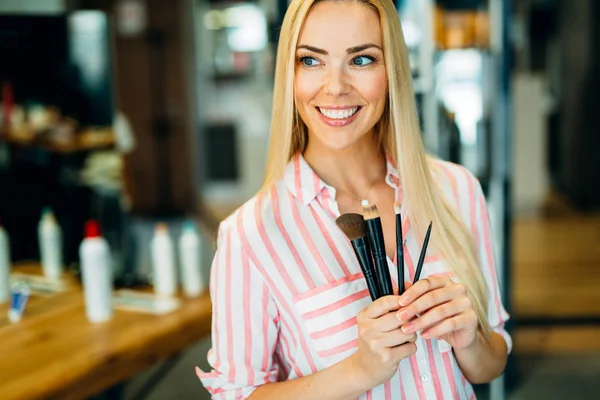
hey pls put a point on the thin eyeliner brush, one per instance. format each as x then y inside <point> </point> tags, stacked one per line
<point>422,256</point>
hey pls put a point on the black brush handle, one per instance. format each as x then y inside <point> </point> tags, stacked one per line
<point>400,253</point>
<point>422,255</point>
<point>363,253</point>
<point>377,243</point>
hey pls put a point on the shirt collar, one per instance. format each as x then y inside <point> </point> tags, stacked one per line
<point>392,177</point>
<point>305,185</point>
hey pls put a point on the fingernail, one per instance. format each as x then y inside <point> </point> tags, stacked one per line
<point>403,301</point>
<point>407,328</point>
<point>425,334</point>
<point>401,314</point>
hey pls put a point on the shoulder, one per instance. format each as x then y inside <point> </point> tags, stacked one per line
<point>251,220</point>
<point>455,181</point>
<point>451,172</point>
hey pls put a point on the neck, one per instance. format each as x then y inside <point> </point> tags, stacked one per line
<point>354,170</point>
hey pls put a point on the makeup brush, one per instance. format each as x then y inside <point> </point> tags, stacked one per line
<point>399,249</point>
<point>353,226</point>
<point>422,256</point>
<point>377,243</point>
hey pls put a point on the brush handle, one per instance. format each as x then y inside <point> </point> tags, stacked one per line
<point>377,243</point>
<point>363,253</point>
<point>400,253</point>
<point>422,256</point>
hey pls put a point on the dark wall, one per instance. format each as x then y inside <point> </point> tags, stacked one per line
<point>45,62</point>
<point>578,144</point>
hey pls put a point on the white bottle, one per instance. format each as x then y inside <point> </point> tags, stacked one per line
<point>4,266</point>
<point>190,257</point>
<point>95,260</point>
<point>50,240</point>
<point>163,262</point>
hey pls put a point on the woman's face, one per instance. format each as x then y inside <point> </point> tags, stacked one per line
<point>340,77</point>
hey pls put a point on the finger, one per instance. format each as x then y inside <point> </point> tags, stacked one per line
<point>429,300</point>
<point>437,315</point>
<point>403,351</point>
<point>389,322</point>
<point>407,284</point>
<point>423,286</point>
<point>382,306</point>
<point>458,322</point>
<point>396,338</point>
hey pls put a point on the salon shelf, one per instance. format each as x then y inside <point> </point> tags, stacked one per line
<point>86,140</point>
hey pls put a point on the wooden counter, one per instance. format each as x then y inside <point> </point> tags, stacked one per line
<point>54,352</point>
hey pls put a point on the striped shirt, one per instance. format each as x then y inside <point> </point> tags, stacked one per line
<point>286,289</point>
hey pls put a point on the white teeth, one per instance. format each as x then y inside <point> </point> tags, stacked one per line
<point>338,114</point>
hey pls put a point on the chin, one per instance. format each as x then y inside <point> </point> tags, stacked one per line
<point>337,140</point>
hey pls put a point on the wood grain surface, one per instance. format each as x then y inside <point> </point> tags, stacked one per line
<point>556,267</point>
<point>556,274</point>
<point>55,353</point>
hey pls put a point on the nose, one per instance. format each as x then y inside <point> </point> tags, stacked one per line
<point>336,82</point>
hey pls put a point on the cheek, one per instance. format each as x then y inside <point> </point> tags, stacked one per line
<point>305,88</point>
<point>375,88</point>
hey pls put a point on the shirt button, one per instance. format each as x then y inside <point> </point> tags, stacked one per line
<point>424,378</point>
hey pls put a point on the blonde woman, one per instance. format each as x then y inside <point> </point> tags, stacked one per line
<point>292,317</point>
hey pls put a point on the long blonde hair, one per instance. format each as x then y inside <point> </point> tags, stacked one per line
<point>398,132</point>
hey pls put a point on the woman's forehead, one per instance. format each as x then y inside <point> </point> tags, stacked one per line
<point>336,24</point>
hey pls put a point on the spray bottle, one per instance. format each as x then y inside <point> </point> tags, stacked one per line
<point>163,262</point>
<point>50,240</point>
<point>94,256</point>
<point>190,255</point>
<point>4,266</point>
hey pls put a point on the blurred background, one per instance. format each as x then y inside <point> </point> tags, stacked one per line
<point>133,112</point>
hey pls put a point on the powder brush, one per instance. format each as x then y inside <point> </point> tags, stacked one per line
<point>377,243</point>
<point>353,226</point>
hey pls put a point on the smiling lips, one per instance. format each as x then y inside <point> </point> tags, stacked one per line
<point>338,116</point>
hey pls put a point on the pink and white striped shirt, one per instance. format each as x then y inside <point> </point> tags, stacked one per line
<point>286,288</point>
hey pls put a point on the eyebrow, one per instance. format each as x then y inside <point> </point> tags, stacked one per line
<point>350,50</point>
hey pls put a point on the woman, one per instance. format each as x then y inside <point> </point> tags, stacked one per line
<point>292,317</point>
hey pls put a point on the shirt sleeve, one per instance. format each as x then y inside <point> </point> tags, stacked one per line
<point>497,315</point>
<point>244,323</point>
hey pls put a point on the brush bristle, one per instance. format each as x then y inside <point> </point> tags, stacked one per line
<point>370,211</point>
<point>353,225</point>
<point>397,207</point>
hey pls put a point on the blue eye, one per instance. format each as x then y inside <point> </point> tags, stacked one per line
<point>308,61</point>
<point>362,60</point>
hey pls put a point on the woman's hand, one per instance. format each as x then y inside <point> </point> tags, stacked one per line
<point>444,311</point>
<point>381,344</point>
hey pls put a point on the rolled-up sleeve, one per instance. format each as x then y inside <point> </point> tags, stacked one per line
<point>244,323</point>
<point>497,315</point>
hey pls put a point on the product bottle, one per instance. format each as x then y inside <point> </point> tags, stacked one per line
<point>190,257</point>
<point>4,266</point>
<point>50,238</point>
<point>94,256</point>
<point>163,262</point>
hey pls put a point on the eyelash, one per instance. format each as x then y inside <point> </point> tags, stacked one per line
<point>300,59</point>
